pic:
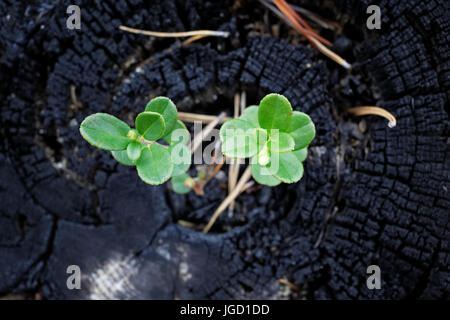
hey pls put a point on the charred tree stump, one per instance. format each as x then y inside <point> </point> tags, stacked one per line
<point>371,195</point>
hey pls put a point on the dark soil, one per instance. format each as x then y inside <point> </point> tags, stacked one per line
<point>370,194</point>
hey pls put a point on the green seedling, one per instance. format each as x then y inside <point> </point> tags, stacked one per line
<point>143,147</point>
<point>275,138</point>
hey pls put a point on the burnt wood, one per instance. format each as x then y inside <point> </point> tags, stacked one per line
<point>374,196</point>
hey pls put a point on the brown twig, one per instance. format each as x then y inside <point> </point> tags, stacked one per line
<point>223,34</point>
<point>237,190</point>
<point>372,110</point>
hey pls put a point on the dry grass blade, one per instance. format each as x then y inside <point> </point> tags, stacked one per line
<point>237,190</point>
<point>372,110</point>
<point>321,21</point>
<point>289,284</point>
<point>233,176</point>
<point>186,224</point>
<point>223,34</point>
<point>330,54</point>
<point>290,20</point>
<point>217,168</point>
<point>243,101</point>
<point>233,169</point>
<point>294,17</point>
<point>204,133</point>
<point>203,118</point>
<point>247,186</point>
<point>193,38</point>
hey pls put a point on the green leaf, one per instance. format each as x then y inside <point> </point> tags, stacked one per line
<point>165,107</point>
<point>250,114</point>
<point>262,175</point>
<point>231,127</point>
<point>181,158</point>
<point>275,112</point>
<point>281,142</point>
<point>178,183</point>
<point>150,125</point>
<point>285,167</point>
<point>241,144</point>
<point>122,157</point>
<point>154,165</point>
<point>134,150</point>
<point>301,154</point>
<point>261,138</point>
<point>179,134</point>
<point>301,129</point>
<point>105,131</point>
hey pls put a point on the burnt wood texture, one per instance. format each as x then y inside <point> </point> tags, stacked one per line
<point>380,196</point>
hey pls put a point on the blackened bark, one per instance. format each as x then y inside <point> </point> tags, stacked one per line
<point>382,200</point>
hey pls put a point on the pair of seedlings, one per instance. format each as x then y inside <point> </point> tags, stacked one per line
<point>272,135</point>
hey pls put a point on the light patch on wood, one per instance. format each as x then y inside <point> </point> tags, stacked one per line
<point>112,280</point>
<point>184,273</point>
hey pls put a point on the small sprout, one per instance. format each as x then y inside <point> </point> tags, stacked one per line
<point>182,184</point>
<point>275,138</point>
<point>132,135</point>
<point>189,183</point>
<point>154,162</point>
